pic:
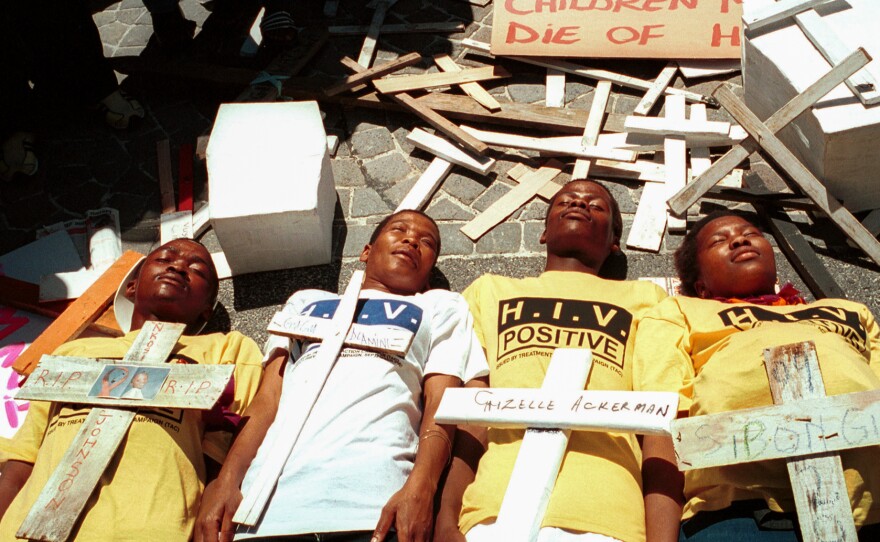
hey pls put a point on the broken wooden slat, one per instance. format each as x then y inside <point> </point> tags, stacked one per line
<point>393,85</point>
<point>675,127</point>
<point>429,115</point>
<point>77,317</point>
<point>675,155</point>
<point>428,183</point>
<point>547,191</point>
<point>658,88</point>
<point>593,127</point>
<point>376,71</point>
<point>252,42</point>
<point>799,174</point>
<point>428,28</point>
<point>555,146</point>
<point>507,204</point>
<point>473,89</point>
<point>600,75</point>
<point>787,113</point>
<point>649,222</point>
<point>555,91</point>
<point>365,58</point>
<point>782,9</point>
<point>446,150</point>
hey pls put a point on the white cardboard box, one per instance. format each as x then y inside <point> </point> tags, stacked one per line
<point>836,139</point>
<point>271,187</point>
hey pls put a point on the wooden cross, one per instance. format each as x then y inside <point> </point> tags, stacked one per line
<point>64,496</point>
<point>549,414</point>
<point>805,427</point>
<point>689,195</point>
<point>333,333</point>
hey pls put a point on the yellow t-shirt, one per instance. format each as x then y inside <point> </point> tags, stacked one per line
<point>712,354</point>
<point>520,322</point>
<point>151,488</point>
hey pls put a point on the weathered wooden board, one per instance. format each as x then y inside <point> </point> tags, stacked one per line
<point>76,380</point>
<point>649,413</point>
<point>428,183</point>
<point>64,496</point>
<point>675,161</point>
<point>649,222</point>
<point>573,148</point>
<point>657,89</point>
<point>393,85</point>
<point>790,111</point>
<point>449,152</point>
<point>472,89</point>
<point>366,76</point>
<point>818,485</point>
<point>368,49</point>
<point>666,126</point>
<point>554,95</point>
<point>386,339</point>
<point>772,13</point>
<point>593,127</point>
<point>306,394</point>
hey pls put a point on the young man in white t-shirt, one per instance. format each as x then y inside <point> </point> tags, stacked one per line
<point>367,463</point>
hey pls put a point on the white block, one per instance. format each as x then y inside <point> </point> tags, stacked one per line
<point>836,139</point>
<point>271,186</point>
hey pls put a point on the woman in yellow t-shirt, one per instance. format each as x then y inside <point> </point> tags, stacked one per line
<point>708,345</point>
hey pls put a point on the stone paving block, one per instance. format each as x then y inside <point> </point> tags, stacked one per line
<point>386,170</point>
<point>102,18</point>
<point>367,202</point>
<point>462,185</point>
<point>443,209</point>
<point>343,204</point>
<point>454,242</point>
<point>113,32</point>
<point>130,16</point>
<point>623,193</point>
<point>532,232</point>
<point>365,119</point>
<point>534,210</point>
<point>370,143</point>
<point>625,103</point>
<point>398,191</point>
<point>504,238</point>
<point>491,195</point>
<point>527,92</point>
<point>137,36</point>
<point>347,172</point>
<point>575,88</point>
<point>349,240</point>
<point>400,134</point>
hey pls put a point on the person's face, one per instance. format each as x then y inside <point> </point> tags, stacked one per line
<point>175,284</point>
<point>401,258</point>
<point>140,380</point>
<point>734,259</point>
<point>579,222</point>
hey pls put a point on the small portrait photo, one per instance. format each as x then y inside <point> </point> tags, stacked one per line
<point>129,382</point>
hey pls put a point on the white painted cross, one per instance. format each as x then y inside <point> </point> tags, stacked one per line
<point>333,334</point>
<point>549,414</point>
<point>64,496</point>
<point>804,427</point>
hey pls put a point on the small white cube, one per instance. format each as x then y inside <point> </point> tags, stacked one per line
<point>271,187</point>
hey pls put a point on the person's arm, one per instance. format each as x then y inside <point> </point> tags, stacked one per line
<point>411,509</point>
<point>663,488</point>
<point>13,477</point>
<point>470,444</point>
<point>223,495</point>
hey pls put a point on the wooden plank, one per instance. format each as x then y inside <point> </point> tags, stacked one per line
<point>77,317</point>
<point>787,113</point>
<point>366,76</point>
<point>593,127</point>
<point>803,428</point>
<point>555,92</point>
<point>252,42</point>
<point>417,28</point>
<point>62,499</point>
<point>430,116</point>
<point>517,408</point>
<point>383,339</point>
<point>538,144</point>
<point>798,251</point>
<point>518,196</point>
<point>818,485</point>
<point>547,191</point>
<point>306,394</point>
<point>667,74</point>
<point>675,155</point>
<point>474,90</point>
<point>800,175</point>
<point>768,14</point>
<point>393,85</point>
<point>78,381</point>
<point>675,127</point>
<point>654,142</point>
<point>599,75</point>
<point>368,49</point>
<point>449,152</point>
<point>166,180</point>
<point>862,83</point>
<point>428,183</point>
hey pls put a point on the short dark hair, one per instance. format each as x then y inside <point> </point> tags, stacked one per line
<point>616,217</point>
<point>685,257</point>
<point>381,225</point>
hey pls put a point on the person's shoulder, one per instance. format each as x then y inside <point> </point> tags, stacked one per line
<point>309,295</point>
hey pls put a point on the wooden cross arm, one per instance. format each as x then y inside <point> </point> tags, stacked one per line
<point>449,152</point>
<point>383,339</point>
<point>675,127</point>
<point>648,413</point>
<point>569,146</point>
<point>439,79</point>
<point>771,13</point>
<point>806,427</point>
<point>680,202</point>
<point>79,315</point>
<point>373,73</point>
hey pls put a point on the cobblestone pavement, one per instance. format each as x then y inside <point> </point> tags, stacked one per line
<point>84,165</point>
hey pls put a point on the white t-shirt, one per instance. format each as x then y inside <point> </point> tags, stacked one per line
<point>359,443</point>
